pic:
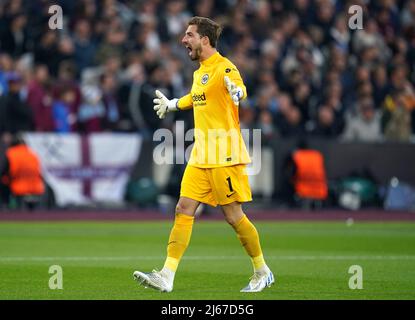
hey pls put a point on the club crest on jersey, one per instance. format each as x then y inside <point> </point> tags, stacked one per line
<point>205,78</point>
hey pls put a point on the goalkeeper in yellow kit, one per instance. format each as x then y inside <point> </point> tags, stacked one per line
<point>215,173</point>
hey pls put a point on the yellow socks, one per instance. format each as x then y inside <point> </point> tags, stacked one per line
<point>178,241</point>
<point>182,230</point>
<point>249,238</point>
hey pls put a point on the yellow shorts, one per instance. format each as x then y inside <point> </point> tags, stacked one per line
<point>216,186</point>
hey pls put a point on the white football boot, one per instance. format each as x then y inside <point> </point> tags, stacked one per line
<point>259,281</point>
<point>155,279</point>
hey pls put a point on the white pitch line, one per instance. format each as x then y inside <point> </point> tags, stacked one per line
<point>138,258</point>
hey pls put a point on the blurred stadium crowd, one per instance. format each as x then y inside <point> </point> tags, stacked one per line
<point>306,71</point>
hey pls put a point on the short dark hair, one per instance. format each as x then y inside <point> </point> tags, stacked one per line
<point>17,138</point>
<point>207,27</point>
<point>302,142</point>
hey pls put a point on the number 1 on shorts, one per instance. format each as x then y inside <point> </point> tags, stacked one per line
<point>230,184</point>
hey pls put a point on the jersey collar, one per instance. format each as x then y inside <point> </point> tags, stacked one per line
<point>211,60</point>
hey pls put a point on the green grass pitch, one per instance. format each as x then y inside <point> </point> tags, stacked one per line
<point>310,260</point>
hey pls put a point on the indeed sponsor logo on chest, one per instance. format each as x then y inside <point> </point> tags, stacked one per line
<point>199,97</point>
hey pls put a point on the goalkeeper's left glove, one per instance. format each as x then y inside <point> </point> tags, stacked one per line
<point>235,92</point>
<point>162,105</point>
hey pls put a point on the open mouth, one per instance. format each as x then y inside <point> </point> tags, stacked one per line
<point>189,48</point>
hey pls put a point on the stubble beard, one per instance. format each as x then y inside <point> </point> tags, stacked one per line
<point>197,52</point>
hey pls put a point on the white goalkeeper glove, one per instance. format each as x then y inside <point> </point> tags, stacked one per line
<point>235,92</point>
<point>162,105</point>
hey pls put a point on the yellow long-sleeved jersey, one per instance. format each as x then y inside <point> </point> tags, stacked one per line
<point>218,139</point>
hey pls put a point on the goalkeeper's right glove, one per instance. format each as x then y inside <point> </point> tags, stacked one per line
<point>162,105</point>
